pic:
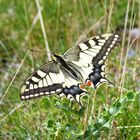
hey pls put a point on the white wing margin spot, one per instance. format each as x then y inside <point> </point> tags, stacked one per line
<point>61,95</point>
<point>106,36</point>
<point>69,96</point>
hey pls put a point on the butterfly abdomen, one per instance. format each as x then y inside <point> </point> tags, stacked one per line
<point>69,69</point>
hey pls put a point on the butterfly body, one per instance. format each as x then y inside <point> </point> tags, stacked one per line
<point>83,64</point>
<point>69,69</point>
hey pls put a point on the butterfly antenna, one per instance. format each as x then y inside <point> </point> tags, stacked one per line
<point>33,50</point>
<point>111,84</point>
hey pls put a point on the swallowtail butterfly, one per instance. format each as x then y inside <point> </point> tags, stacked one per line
<point>68,74</point>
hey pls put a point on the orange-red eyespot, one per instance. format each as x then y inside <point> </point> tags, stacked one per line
<point>88,83</point>
<point>82,86</point>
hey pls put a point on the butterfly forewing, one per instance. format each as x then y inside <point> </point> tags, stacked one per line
<point>47,80</point>
<point>95,46</point>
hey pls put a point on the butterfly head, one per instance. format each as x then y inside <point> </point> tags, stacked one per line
<point>53,57</point>
<point>58,58</point>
